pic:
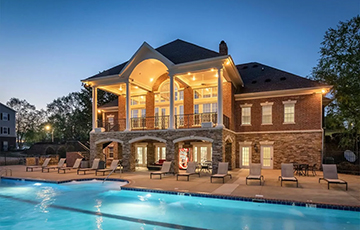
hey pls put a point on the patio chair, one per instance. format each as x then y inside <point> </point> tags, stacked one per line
<point>191,170</point>
<point>312,168</point>
<point>165,168</point>
<point>222,172</point>
<point>287,174</point>
<point>45,164</point>
<point>331,175</point>
<point>255,173</point>
<point>113,166</point>
<point>94,167</point>
<point>75,166</point>
<point>60,164</point>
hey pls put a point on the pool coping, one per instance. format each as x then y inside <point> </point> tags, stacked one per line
<point>354,208</point>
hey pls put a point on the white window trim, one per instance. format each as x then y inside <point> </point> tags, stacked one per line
<point>245,106</point>
<point>5,116</point>
<point>285,103</point>
<point>266,104</point>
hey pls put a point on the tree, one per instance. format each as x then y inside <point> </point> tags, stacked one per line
<point>70,116</point>
<point>28,120</point>
<point>339,65</point>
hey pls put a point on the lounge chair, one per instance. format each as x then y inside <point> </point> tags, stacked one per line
<point>222,171</point>
<point>60,164</point>
<point>165,168</point>
<point>45,164</point>
<point>75,166</point>
<point>94,167</point>
<point>191,170</point>
<point>287,173</point>
<point>331,175</point>
<point>113,166</point>
<point>255,173</point>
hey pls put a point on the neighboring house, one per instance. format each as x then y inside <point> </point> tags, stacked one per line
<point>183,98</point>
<point>7,128</point>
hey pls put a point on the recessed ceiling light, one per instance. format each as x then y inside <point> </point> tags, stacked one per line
<point>151,79</point>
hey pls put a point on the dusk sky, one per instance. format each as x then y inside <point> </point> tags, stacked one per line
<point>48,46</point>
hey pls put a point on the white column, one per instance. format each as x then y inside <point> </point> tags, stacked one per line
<point>172,98</point>
<point>94,107</point>
<point>127,109</point>
<point>220,99</point>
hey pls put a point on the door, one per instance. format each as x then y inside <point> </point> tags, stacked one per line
<point>141,156</point>
<point>228,153</point>
<point>245,156</point>
<point>267,157</point>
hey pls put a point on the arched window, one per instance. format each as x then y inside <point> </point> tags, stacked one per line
<point>164,93</point>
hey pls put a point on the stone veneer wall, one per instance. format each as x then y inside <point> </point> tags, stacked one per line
<point>230,136</point>
<point>128,150</point>
<point>288,147</point>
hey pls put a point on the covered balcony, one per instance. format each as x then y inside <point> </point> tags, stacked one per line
<point>154,93</point>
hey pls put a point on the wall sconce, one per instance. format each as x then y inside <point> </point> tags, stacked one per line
<point>256,147</point>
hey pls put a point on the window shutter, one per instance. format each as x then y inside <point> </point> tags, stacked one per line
<point>0,130</point>
<point>0,116</point>
<point>8,130</point>
<point>8,116</point>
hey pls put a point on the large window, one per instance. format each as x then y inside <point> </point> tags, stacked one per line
<point>205,108</point>
<point>210,92</point>
<point>138,100</point>
<point>164,93</point>
<point>134,113</point>
<point>289,112</point>
<point>267,113</point>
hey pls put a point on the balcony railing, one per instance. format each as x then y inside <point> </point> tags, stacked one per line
<point>162,122</point>
<point>117,125</point>
<point>194,120</point>
<point>148,123</point>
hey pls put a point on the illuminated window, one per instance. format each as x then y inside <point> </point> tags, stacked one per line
<point>266,113</point>
<point>196,109</point>
<point>289,112</point>
<point>205,93</point>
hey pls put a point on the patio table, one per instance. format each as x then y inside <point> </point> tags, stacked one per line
<point>301,169</point>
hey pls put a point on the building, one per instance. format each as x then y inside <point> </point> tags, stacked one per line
<point>188,99</point>
<point>7,128</point>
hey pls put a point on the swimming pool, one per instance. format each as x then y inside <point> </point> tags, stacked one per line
<point>96,205</point>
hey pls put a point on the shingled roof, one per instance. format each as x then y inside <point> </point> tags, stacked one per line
<point>258,77</point>
<point>177,51</point>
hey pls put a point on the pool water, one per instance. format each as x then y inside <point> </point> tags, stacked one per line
<point>97,205</point>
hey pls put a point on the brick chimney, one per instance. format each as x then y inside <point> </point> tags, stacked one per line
<point>223,49</point>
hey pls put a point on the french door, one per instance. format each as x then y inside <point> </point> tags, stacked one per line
<point>267,152</point>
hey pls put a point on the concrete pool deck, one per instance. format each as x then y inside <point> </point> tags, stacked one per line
<point>309,189</point>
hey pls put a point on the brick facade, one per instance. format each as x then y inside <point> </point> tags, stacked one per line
<point>307,114</point>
